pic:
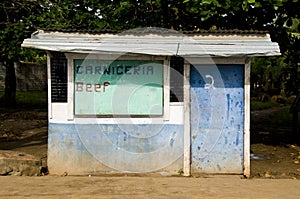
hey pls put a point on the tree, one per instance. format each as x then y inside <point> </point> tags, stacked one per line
<point>19,18</point>
<point>285,30</point>
<point>14,28</point>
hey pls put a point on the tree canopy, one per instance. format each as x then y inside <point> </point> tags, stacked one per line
<point>178,15</point>
<point>14,28</point>
<point>19,18</point>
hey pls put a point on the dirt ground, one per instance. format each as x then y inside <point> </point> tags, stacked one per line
<point>214,187</point>
<point>273,153</point>
<point>25,131</point>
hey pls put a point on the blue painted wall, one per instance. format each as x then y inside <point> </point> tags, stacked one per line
<point>217,123</point>
<point>97,148</point>
<point>217,118</point>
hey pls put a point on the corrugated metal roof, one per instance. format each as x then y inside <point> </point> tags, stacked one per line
<point>156,41</point>
<point>99,31</point>
<point>157,31</point>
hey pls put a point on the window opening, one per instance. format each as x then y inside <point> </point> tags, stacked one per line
<point>59,77</point>
<point>176,79</point>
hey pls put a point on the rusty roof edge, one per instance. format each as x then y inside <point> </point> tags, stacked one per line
<point>99,31</point>
<point>158,31</point>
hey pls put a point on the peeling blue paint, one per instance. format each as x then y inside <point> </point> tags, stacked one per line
<point>171,142</point>
<point>172,138</point>
<point>72,146</point>
<point>125,136</point>
<point>217,119</point>
<point>228,105</point>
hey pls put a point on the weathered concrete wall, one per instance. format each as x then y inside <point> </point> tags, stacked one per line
<point>29,77</point>
<point>80,149</point>
<point>217,118</point>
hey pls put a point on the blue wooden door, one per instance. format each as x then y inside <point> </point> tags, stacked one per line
<point>217,118</point>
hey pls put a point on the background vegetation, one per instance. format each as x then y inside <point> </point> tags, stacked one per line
<point>270,76</point>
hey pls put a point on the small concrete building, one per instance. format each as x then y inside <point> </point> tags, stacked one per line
<point>149,100</point>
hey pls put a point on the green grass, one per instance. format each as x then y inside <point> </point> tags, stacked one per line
<point>29,99</point>
<point>256,105</point>
<point>282,116</point>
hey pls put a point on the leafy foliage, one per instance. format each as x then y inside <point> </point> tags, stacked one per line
<point>19,18</point>
<point>14,26</point>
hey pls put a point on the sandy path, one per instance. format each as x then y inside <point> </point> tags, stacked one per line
<point>147,187</point>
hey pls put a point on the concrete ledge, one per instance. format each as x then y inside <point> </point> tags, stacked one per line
<point>14,163</point>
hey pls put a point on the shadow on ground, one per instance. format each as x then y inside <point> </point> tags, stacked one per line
<point>274,152</point>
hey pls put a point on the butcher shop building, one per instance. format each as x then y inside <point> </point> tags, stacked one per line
<point>149,100</point>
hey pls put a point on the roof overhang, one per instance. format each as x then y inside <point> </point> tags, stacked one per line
<point>190,45</point>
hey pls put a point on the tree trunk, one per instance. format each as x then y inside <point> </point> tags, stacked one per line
<point>10,85</point>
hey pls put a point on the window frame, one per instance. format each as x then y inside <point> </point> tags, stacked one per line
<point>71,94</point>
